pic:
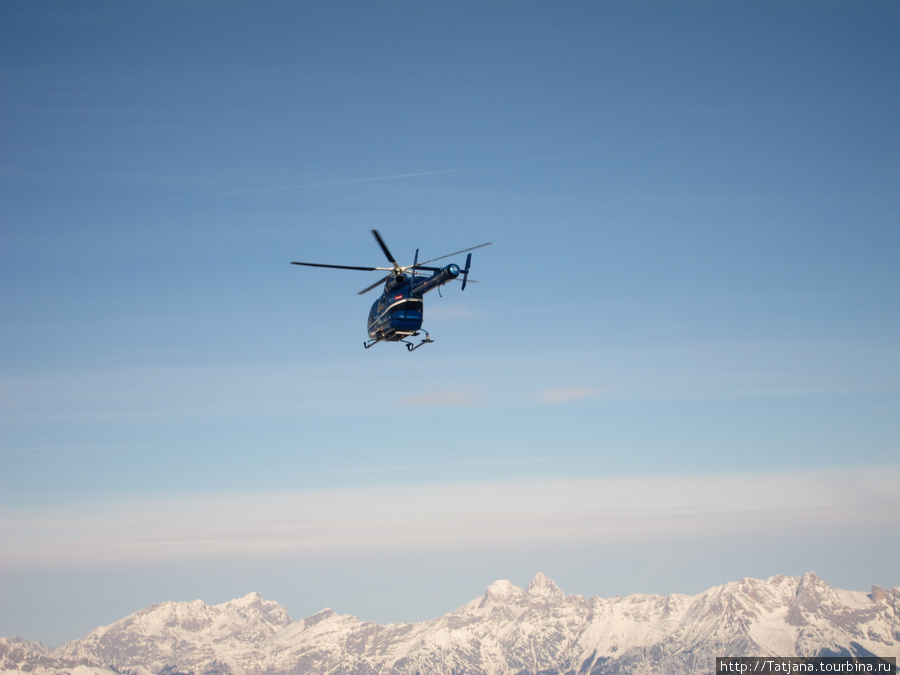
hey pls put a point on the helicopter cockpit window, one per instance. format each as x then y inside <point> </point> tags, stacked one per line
<point>408,306</point>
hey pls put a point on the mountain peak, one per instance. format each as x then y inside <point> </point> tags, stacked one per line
<point>502,588</point>
<point>544,585</point>
<point>878,594</point>
<point>501,591</point>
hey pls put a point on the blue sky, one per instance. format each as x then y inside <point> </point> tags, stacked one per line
<point>680,365</point>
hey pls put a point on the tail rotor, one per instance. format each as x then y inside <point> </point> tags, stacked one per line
<point>465,271</point>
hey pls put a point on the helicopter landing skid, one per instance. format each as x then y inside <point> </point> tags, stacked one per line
<point>411,347</point>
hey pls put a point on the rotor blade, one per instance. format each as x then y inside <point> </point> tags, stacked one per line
<point>457,253</point>
<point>340,267</point>
<point>369,288</point>
<point>385,249</point>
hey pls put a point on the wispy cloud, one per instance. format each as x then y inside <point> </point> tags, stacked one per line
<point>455,515</point>
<point>689,372</point>
<point>174,391</point>
<point>300,186</point>
<point>462,396</point>
<point>566,394</point>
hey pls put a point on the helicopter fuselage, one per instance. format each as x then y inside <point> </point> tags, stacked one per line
<point>398,313</point>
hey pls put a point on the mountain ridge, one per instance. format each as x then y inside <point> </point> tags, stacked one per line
<point>506,631</point>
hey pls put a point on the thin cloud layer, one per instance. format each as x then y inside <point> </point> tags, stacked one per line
<point>457,515</point>
<point>566,394</point>
<point>463,396</point>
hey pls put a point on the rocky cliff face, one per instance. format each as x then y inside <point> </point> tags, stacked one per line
<point>508,630</point>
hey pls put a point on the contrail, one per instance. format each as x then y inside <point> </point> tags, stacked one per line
<point>235,193</point>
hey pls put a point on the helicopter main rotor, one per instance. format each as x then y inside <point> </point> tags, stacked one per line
<point>387,253</point>
<point>396,269</point>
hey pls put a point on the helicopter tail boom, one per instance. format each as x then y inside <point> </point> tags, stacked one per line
<point>440,277</point>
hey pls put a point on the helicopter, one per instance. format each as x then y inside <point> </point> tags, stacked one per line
<point>397,314</point>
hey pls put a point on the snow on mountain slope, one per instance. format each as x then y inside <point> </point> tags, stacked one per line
<point>16,654</point>
<point>181,632</point>
<point>507,630</point>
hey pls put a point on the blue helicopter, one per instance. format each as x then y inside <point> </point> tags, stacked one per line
<point>397,314</point>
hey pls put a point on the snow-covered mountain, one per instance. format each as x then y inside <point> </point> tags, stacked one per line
<point>536,630</point>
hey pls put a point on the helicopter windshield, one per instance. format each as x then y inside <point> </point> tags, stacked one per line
<point>406,305</point>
